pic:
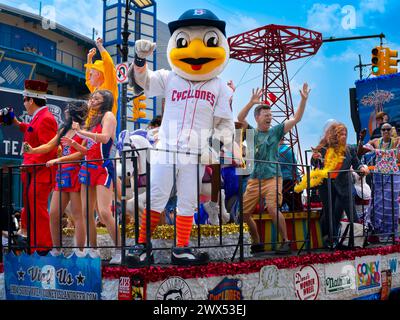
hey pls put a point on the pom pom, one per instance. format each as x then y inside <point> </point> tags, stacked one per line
<point>7,116</point>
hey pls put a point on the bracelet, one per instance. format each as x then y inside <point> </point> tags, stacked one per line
<point>139,61</point>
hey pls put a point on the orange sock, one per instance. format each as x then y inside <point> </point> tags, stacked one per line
<point>183,230</point>
<point>154,220</point>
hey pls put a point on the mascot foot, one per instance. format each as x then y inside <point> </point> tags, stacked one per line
<point>186,257</point>
<point>137,256</point>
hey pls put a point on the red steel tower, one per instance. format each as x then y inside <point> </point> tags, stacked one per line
<point>274,45</point>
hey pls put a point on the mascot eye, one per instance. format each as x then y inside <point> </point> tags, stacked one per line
<point>211,39</point>
<point>182,40</point>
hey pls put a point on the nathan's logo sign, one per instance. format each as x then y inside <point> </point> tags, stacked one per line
<point>174,288</point>
<point>306,283</point>
<point>227,289</point>
<point>368,270</point>
<point>339,277</point>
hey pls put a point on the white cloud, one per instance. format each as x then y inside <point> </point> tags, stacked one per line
<point>368,6</point>
<point>332,19</point>
<point>28,8</point>
<point>349,55</point>
<point>324,18</point>
<point>80,18</point>
<point>240,23</point>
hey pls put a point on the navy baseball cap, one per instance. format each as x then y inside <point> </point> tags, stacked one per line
<point>197,17</point>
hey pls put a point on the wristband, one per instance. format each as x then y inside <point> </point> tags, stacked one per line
<point>139,62</point>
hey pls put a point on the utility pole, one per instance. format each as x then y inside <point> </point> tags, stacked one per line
<point>361,66</point>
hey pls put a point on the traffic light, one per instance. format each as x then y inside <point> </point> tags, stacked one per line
<point>377,61</point>
<point>390,62</point>
<point>138,104</point>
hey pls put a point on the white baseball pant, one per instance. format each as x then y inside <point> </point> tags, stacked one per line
<point>162,182</point>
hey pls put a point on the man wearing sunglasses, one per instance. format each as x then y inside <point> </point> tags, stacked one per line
<point>37,181</point>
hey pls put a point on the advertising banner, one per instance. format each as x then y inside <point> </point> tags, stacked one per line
<point>34,277</point>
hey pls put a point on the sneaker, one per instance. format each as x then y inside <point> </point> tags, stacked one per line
<point>186,257</point>
<point>257,248</point>
<point>55,252</point>
<point>116,257</point>
<point>212,209</point>
<point>284,248</point>
<point>137,256</point>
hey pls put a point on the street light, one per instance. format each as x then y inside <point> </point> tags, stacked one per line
<point>125,47</point>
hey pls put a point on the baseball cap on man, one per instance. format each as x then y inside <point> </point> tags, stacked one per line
<point>197,17</point>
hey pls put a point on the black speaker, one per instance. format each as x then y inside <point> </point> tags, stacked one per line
<point>355,117</point>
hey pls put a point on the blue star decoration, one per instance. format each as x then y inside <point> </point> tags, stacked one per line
<point>80,279</point>
<point>21,275</point>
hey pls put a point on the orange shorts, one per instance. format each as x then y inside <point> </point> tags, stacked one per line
<point>268,191</point>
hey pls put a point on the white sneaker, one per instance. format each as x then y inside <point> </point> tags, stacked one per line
<point>55,252</point>
<point>116,257</point>
<point>93,253</point>
<point>212,209</point>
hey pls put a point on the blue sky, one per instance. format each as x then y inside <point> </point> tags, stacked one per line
<point>330,73</point>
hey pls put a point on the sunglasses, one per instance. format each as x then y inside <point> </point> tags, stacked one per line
<point>386,129</point>
<point>26,99</point>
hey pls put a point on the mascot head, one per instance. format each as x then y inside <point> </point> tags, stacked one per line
<point>198,49</point>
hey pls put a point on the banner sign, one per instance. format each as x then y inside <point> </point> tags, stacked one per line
<point>394,265</point>
<point>273,285</point>
<point>10,136</point>
<point>375,95</point>
<point>34,277</point>
<point>339,277</point>
<point>306,282</point>
<point>13,73</point>
<point>368,272</point>
<point>227,289</point>
<point>131,288</point>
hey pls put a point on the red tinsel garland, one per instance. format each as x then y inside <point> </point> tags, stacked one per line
<point>154,274</point>
<point>215,269</point>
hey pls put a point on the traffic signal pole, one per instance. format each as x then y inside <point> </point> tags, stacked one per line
<point>125,52</point>
<point>333,39</point>
<point>360,65</point>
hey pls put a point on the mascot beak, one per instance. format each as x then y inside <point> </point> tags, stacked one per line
<point>197,58</point>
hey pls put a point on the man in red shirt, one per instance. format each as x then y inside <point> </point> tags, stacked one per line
<point>37,180</point>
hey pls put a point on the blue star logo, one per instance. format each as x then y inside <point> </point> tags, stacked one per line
<point>21,275</point>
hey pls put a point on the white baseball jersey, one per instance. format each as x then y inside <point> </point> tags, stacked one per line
<point>190,108</point>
